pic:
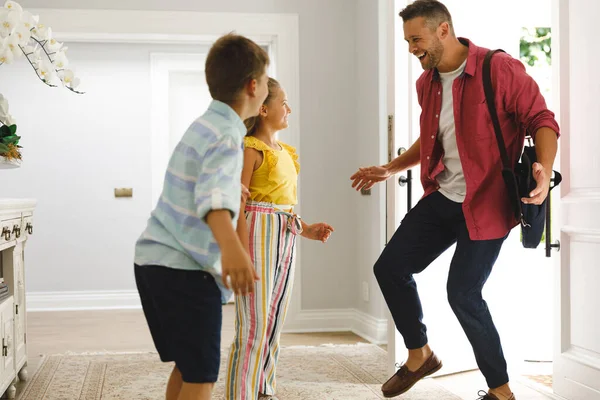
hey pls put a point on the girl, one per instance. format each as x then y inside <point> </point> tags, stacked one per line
<point>271,174</point>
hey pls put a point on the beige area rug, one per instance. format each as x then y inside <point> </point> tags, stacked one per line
<point>545,380</point>
<point>305,373</point>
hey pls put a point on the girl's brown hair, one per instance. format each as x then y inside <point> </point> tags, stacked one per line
<point>253,123</point>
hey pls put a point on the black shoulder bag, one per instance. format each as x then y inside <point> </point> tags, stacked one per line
<point>519,180</point>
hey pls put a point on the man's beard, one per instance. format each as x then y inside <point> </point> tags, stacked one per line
<point>434,55</point>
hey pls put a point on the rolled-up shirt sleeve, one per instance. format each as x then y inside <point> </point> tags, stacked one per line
<point>217,186</point>
<point>522,97</point>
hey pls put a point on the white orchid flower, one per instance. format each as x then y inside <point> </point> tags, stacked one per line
<point>34,54</point>
<point>52,45</point>
<point>60,60</point>
<point>42,32</point>
<point>13,6</point>
<point>6,55</point>
<point>3,106</point>
<point>22,34</point>
<point>28,49</point>
<point>8,21</point>
<point>46,70</point>
<point>12,43</point>
<point>69,79</point>
<point>5,117</point>
<point>8,120</point>
<point>29,21</point>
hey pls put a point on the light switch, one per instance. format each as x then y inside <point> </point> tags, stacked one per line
<point>123,192</point>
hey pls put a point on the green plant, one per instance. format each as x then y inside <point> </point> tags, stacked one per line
<point>9,142</point>
<point>535,44</point>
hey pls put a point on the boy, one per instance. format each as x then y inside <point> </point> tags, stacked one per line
<point>189,256</point>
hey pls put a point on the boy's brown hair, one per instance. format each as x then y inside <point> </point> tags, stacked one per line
<point>232,62</point>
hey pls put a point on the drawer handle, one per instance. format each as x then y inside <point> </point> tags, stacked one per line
<point>6,233</point>
<point>29,228</point>
<point>17,231</point>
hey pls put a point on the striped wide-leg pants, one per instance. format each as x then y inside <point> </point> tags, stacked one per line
<point>259,317</point>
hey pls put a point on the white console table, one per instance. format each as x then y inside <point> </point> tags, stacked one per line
<point>16,225</point>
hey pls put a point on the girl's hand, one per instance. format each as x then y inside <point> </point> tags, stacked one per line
<point>245,193</point>
<point>319,231</point>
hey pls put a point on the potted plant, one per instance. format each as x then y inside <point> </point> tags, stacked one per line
<point>21,33</point>
<point>9,141</point>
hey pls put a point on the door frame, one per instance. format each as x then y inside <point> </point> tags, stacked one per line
<point>398,108</point>
<point>280,32</point>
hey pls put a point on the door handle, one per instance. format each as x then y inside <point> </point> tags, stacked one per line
<point>549,243</point>
<point>407,181</point>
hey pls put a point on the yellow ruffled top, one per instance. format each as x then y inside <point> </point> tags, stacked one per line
<point>276,180</point>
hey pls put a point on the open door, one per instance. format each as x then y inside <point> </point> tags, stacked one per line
<point>577,311</point>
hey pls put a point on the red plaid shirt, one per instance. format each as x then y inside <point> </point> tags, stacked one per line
<point>521,111</point>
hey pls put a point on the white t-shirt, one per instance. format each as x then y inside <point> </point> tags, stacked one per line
<point>452,179</point>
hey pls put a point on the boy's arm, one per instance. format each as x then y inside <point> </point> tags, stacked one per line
<point>236,263</point>
<point>216,202</point>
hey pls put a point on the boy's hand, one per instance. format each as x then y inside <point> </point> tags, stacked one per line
<point>319,231</point>
<point>238,268</point>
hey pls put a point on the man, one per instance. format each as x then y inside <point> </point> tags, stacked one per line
<point>465,200</point>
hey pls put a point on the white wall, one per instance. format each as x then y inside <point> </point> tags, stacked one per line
<point>61,157</point>
<point>77,149</point>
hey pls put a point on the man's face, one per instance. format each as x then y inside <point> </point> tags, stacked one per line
<point>423,42</point>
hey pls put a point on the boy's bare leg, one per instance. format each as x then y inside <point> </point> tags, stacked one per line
<point>196,391</point>
<point>174,385</point>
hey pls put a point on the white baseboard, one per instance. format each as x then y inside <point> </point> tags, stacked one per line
<point>370,328</point>
<point>341,320</point>
<point>92,300</point>
<point>338,320</point>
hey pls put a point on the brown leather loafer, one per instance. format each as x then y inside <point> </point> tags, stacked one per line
<point>489,396</point>
<point>404,379</point>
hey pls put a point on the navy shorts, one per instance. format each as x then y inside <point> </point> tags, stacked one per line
<point>184,314</point>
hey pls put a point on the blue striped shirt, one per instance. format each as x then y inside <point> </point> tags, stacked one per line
<point>204,174</point>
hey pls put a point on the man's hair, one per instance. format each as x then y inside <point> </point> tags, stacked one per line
<point>432,11</point>
<point>232,62</point>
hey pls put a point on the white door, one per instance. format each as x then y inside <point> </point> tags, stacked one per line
<point>515,264</point>
<point>577,314</point>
